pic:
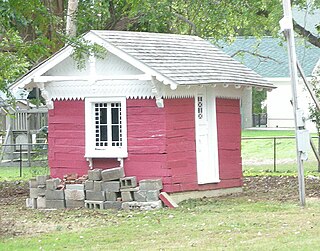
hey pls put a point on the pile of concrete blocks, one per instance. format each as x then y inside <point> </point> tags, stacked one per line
<point>100,189</point>
<point>37,188</point>
<point>110,189</point>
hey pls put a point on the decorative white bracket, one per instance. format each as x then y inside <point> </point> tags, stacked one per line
<point>121,161</point>
<point>157,92</point>
<point>90,163</point>
<point>45,94</point>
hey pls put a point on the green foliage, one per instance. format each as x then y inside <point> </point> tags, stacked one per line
<point>258,97</point>
<point>32,30</point>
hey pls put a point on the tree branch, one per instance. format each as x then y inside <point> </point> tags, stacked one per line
<point>255,54</point>
<point>307,34</point>
<point>186,20</point>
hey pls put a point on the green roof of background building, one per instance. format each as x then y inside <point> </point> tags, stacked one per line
<point>268,56</point>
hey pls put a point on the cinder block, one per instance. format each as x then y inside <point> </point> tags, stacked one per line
<point>126,196</point>
<point>52,184</point>
<point>88,185</point>
<point>94,174</point>
<point>33,183</point>
<point>112,174</point>
<point>58,204</point>
<point>150,184</point>
<point>33,193</point>
<point>71,194</point>
<point>41,190</point>
<point>41,202</point>
<point>31,203</point>
<point>41,179</point>
<point>95,196</point>
<point>112,205</point>
<point>75,186</point>
<point>140,196</point>
<point>93,204</point>
<point>74,203</point>
<point>110,186</point>
<point>54,194</point>
<point>142,205</point>
<point>152,195</point>
<point>97,186</point>
<point>132,189</point>
<point>112,196</point>
<point>128,182</point>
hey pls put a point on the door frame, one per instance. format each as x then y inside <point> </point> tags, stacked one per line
<point>206,136</point>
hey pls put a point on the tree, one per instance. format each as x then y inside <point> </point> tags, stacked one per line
<point>32,30</point>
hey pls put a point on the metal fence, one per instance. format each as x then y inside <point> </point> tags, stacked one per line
<point>23,156</point>
<point>273,152</point>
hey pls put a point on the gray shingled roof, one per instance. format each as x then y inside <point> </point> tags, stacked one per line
<point>185,60</point>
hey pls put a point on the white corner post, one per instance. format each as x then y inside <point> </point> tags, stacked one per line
<point>287,28</point>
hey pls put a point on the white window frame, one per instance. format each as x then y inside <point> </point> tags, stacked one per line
<point>93,151</point>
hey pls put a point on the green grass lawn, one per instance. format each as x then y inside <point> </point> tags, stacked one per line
<point>208,224</point>
<point>258,154</point>
<point>13,173</point>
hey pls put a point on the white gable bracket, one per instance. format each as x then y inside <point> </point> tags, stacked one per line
<point>45,94</point>
<point>157,92</point>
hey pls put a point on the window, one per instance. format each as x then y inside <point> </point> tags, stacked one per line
<point>106,128</point>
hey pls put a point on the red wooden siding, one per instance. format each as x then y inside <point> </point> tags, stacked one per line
<point>161,142</point>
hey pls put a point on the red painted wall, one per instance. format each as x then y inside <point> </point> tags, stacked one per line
<point>161,142</point>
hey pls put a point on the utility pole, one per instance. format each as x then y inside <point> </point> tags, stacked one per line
<point>302,135</point>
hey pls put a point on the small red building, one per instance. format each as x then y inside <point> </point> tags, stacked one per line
<point>160,105</point>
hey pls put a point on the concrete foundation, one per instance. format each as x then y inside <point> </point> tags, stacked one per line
<point>117,205</point>
<point>142,205</point>
<point>71,194</point>
<point>94,204</point>
<point>178,197</point>
<point>150,184</point>
<point>94,174</point>
<point>54,194</point>
<point>74,203</point>
<point>95,196</point>
<point>111,186</point>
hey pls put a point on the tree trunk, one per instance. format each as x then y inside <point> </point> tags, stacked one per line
<point>71,26</point>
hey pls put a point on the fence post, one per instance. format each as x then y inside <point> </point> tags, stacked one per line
<point>274,154</point>
<point>20,160</point>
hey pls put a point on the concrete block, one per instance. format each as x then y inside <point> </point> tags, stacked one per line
<point>75,186</point>
<point>95,196</point>
<point>41,179</point>
<point>142,205</point>
<point>74,203</point>
<point>94,174</point>
<point>167,200</point>
<point>41,202</point>
<point>112,196</point>
<point>72,194</point>
<point>150,184</point>
<point>97,186</point>
<point>111,186</point>
<point>112,174</point>
<point>140,196</point>
<point>88,185</point>
<point>33,193</point>
<point>41,190</point>
<point>54,194</point>
<point>128,182</point>
<point>52,184</point>
<point>33,183</point>
<point>94,204</point>
<point>112,205</point>
<point>132,189</point>
<point>31,203</point>
<point>58,204</point>
<point>152,195</point>
<point>126,196</point>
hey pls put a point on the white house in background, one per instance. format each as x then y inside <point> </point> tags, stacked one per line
<point>268,57</point>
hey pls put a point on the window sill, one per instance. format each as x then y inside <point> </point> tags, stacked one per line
<point>106,155</point>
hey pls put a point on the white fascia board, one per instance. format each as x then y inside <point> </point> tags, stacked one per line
<point>43,68</point>
<point>44,79</point>
<point>92,36</point>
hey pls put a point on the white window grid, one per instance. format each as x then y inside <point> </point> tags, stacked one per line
<point>108,124</point>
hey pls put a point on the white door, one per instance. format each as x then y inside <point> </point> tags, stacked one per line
<point>206,137</point>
